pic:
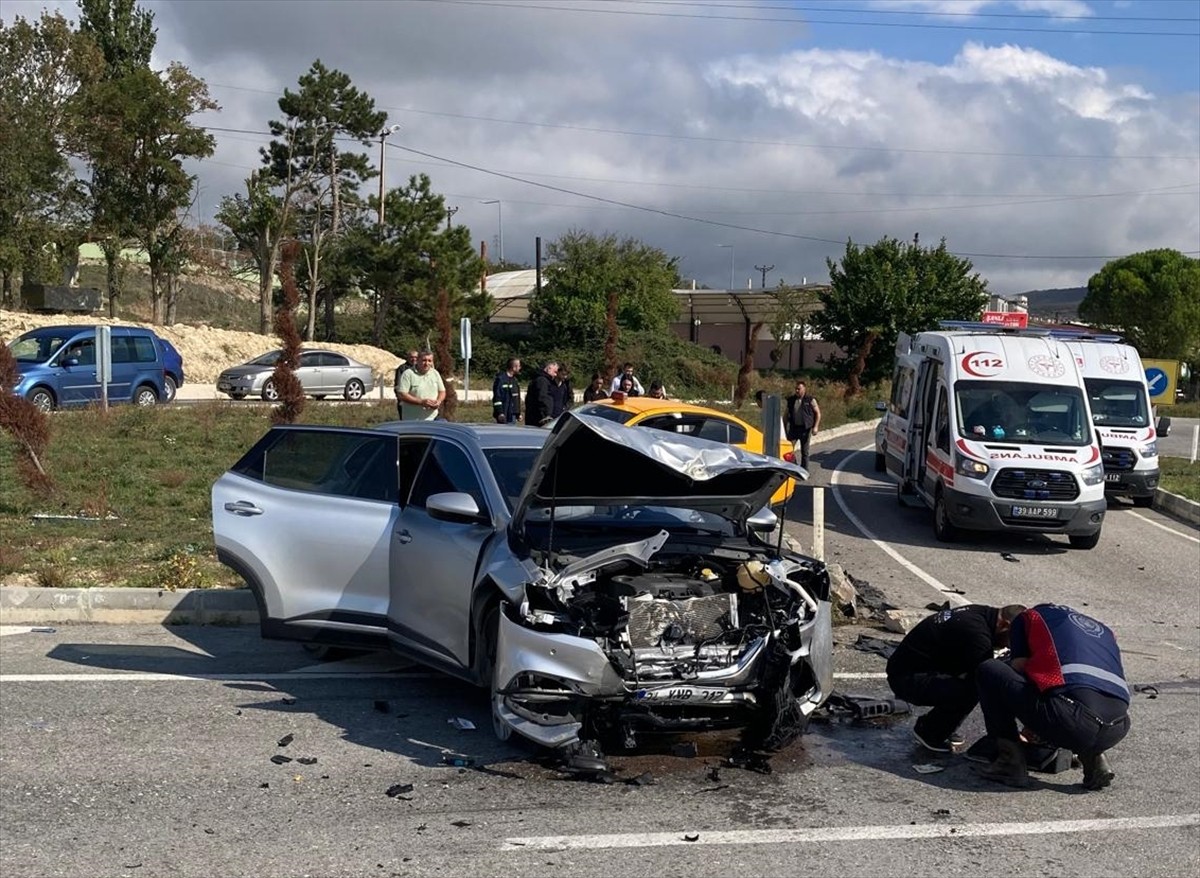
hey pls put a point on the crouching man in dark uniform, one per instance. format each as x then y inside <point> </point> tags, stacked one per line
<point>1065,682</point>
<point>935,666</point>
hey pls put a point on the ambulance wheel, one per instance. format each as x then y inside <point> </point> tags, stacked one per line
<point>943,529</point>
<point>1084,541</point>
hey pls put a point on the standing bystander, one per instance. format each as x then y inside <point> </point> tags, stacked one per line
<point>506,393</point>
<point>420,391</point>
<point>802,421</point>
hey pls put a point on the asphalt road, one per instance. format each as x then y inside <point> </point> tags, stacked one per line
<point>147,751</point>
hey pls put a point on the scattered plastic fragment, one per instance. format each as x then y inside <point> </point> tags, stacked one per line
<point>458,760</point>
<point>928,768</point>
<point>307,760</point>
<point>463,725</point>
<point>285,740</point>
<point>1009,556</point>
<point>644,779</point>
<point>287,699</point>
<point>691,836</point>
<point>714,774</point>
<point>279,759</point>
<point>42,629</point>
<point>941,812</point>
<point>264,786</point>
<point>685,749</point>
<point>399,790</point>
<point>383,707</point>
<point>1150,691</point>
<point>461,824</point>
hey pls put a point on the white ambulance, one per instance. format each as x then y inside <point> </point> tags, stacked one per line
<point>991,429</point>
<point>1121,413</point>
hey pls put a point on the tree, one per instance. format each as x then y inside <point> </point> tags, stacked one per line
<point>43,66</point>
<point>125,38</point>
<point>259,224</point>
<point>594,283</point>
<point>791,315</point>
<point>139,134</point>
<point>1153,299</point>
<point>886,288</point>
<point>325,107</point>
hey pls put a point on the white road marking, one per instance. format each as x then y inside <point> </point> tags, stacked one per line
<point>844,833</point>
<point>1169,530</point>
<point>6,630</point>
<point>949,594</point>
<point>300,674</point>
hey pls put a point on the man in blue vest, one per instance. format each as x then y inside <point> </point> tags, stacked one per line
<point>1065,682</point>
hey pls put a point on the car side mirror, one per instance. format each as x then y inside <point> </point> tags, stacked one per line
<point>1163,428</point>
<point>71,361</point>
<point>881,406</point>
<point>454,506</point>
<point>763,521</point>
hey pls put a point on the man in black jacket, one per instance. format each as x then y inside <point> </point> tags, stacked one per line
<point>539,398</point>
<point>935,666</point>
<point>506,394</point>
<point>802,420</point>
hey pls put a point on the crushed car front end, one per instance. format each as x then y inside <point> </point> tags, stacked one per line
<point>657,606</point>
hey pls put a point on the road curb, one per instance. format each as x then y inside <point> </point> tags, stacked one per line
<point>1180,507</point>
<point>20,605</point>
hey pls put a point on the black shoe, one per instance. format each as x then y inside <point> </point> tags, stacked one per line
<point>942,746</point>
<point>1096,771</point>
<point>984,750</point>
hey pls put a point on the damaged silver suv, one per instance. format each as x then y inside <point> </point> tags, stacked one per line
<point>602,580</point>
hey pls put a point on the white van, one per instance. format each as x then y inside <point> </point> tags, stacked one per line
<point>1122,415</point>
<point>991,429</point>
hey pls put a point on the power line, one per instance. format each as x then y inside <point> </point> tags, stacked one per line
<point>932,13</point>
<point>715,223</point>
<point>588,129</point>
<point>573,8</point>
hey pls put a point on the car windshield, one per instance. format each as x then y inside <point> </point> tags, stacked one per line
<point>267,359</point>
<point>37,348</point>
<point>607,412</point>
<point>511,467</point>
<point>1117,403</point>
<point>1016,412</point>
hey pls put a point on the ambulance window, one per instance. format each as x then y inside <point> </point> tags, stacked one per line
<point>942,422</point>
<point>902,385</point>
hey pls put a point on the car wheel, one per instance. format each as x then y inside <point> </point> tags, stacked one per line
<point>42,398</point>
<point>269,393</point>
<point>146,396</point>
<point>169,388</point>
<point>942,527</point>
<point>1084,541</point>
<point>354,389</point>
<point>880,462</point>
<point>1144,502</point>
<point>237,396</point>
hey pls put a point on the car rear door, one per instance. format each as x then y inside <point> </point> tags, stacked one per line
<point>310,373</point>
<point>335,372</point>
<point>308,516</point>
<point>435,563</point>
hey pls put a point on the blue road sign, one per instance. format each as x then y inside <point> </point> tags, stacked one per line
<point>1157,380</point>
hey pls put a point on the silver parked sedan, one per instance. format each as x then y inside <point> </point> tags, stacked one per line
<point>601,580</point>
<point>321,374</point>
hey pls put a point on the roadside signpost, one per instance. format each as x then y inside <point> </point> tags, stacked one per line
<point>1160,379</point>
<point>464,345</point>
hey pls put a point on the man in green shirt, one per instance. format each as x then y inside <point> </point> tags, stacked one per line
<point>421,391</point>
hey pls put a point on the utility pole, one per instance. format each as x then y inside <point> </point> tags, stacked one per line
<point>499,224</point>
<point>764,269</point>
<point>450,212</point>
<point>383,135</point>
<point>731,255</point>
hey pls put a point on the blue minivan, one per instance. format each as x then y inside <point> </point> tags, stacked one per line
<point>56,367</point>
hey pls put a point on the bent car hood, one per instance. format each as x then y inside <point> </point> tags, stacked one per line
<point>593,461</point>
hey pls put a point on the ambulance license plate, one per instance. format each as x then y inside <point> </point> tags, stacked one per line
<point>1112,477</point>
<point>1035,512</point>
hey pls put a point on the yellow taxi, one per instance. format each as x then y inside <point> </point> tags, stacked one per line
<point>692,420</point>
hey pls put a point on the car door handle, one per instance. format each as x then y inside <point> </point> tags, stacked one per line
<point>243,507</point>
<point>404,536</point>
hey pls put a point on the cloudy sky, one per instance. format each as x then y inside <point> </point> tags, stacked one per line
<point>1039,137</point>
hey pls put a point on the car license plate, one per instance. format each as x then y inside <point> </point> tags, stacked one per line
<point>1035,512</point>
<point>686,694</point>
<point>1112,477</point>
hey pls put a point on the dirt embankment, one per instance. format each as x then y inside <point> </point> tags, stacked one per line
<point>205,350</point>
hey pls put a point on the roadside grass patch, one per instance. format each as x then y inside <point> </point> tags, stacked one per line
<point>1180,477</point>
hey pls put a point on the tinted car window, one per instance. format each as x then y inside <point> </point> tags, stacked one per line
<point>83,350</point>
<point>133,349</point>
<point>511,467</point>
<point>333,360</point>
<point>310,360</point>
<point>347,464</point>
<point>719,430</point>
<point>412,452</point>
<point>446,468</point>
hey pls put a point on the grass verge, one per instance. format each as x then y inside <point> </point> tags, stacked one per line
<point>1180,477</point>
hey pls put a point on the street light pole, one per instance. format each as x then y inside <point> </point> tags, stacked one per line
<point>499,222</point>
<point>731,254</point>
<point>383,170</point>
<point>764,269</point>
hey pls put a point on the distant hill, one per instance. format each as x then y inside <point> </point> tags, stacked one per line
<point>1060,304</point>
